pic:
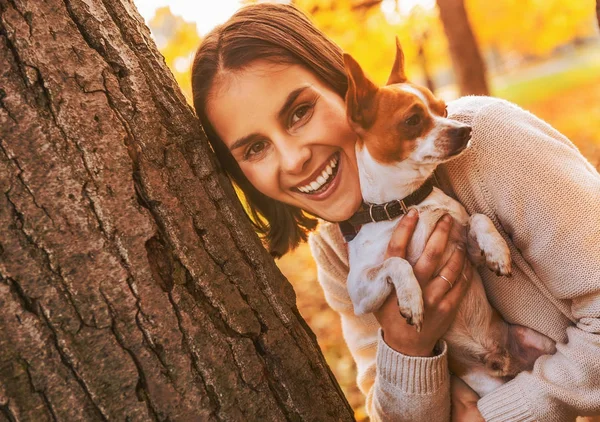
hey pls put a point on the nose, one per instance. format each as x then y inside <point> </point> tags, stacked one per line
<point>460,134</point>
<point>294,156</point>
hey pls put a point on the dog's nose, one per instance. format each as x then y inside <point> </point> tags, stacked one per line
<point>462,133</point>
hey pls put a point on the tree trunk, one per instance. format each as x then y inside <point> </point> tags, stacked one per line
<point>464,51</point>
<point>132,286</point>
<point>421,42</point>
<point>598,12</point>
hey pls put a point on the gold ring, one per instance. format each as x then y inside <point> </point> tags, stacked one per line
<point>444,278</point>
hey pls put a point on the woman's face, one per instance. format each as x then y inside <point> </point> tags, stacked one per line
<point>288,132</point>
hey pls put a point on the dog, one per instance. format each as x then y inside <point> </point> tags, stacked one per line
<point>404,133</point>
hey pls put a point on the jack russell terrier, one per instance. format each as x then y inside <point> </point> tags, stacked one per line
<point>404,133</point>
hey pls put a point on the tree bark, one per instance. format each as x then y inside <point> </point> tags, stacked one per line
<point>468,64</point>
<point>132,287</point>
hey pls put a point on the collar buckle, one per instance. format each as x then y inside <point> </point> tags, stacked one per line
<point>351,226</point>
<point>402,205</point>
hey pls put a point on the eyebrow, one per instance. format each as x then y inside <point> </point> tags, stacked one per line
<point>292,96</point>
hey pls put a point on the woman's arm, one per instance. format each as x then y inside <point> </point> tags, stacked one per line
<point>546,196</point>
<point>397,386</point>
<point>464,402</point>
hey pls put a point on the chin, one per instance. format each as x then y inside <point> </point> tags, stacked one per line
<point>342,211</point>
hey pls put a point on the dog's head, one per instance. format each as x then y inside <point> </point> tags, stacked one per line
<point>401,120</point>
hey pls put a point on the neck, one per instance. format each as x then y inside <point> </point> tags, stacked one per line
<point>382,183</point>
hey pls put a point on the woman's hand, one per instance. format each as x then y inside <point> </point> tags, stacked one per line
<point>464,402</point>
<point>440,301</point>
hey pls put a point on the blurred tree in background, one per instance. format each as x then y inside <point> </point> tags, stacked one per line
<point>463,47</point>
<point>541,54</point>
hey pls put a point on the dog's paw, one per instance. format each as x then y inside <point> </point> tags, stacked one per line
<point>410,304</point>
<point>492,247</point>
<point>398,272</point>
<point>497,258</point>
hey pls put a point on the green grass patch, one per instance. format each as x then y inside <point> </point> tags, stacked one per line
<point>527,90</point>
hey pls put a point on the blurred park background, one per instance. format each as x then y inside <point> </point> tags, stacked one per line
<point>543,55</point>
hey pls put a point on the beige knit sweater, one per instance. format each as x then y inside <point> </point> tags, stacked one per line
<point>544,198</point>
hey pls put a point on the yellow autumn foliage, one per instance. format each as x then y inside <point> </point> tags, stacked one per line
<point>564,89</point>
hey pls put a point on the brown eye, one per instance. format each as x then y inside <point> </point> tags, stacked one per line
<point>299,113</point>
<point>255,149</point>
<point>413,120</point>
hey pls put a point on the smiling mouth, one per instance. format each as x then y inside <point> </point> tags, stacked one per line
<point>323,180</point>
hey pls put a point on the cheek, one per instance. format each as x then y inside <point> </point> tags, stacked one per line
<point>407,148</point>
<point>263,177</point>
<point>426,146</point>
<point>390,146</point>
<point>333,124</point>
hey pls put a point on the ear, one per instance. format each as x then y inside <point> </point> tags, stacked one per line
<point>360,97</point>
<point>397,75</point>
<point>526,345</point>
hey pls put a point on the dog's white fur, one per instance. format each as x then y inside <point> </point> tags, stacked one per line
<point>477,340</point>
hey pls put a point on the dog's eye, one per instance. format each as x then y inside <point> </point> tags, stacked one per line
<point>413,120</point>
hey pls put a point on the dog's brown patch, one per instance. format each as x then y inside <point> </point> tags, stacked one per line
<point>436,105</point>
<point>373,272</point>
<point>388,120</point>
<point>397,75</point>
<point>361,101</point>
<point>400,119</point>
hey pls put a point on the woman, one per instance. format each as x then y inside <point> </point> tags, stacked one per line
<point>269,90</point>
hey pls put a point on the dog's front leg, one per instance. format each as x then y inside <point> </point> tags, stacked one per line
<point>485,241</point>
<point>370,286</point>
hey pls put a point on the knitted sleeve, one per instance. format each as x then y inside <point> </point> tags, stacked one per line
<point>397,387</point>
<point>546,196</point>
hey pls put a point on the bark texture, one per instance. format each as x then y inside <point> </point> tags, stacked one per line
<point>467,62</point>
<point>131,285</point>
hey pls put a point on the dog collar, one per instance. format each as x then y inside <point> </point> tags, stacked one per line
<point>371,213</point>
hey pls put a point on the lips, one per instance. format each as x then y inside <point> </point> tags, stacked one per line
<point>321,180</point>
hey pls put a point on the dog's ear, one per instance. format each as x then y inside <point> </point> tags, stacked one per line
<point>397,75</point>
<point>360,97</point>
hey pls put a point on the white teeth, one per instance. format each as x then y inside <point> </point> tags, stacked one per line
<point>321,179</point>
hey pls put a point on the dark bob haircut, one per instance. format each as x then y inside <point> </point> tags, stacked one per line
<point>281,34</point>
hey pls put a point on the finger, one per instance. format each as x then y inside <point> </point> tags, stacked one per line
<point>453,298</point>
<point>402,235</point>
<point>448,277</point>
<point>429,260</point>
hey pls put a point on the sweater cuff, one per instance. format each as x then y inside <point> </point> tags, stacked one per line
<point>506,403</point>
<point>412,374</point>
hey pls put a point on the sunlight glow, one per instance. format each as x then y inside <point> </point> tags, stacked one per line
<point>209,13</point>
<point>206,13</point>
<point>396,10</point>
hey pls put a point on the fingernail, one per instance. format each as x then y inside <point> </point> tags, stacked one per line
<point>447,218</point>
<point>412,212</point>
